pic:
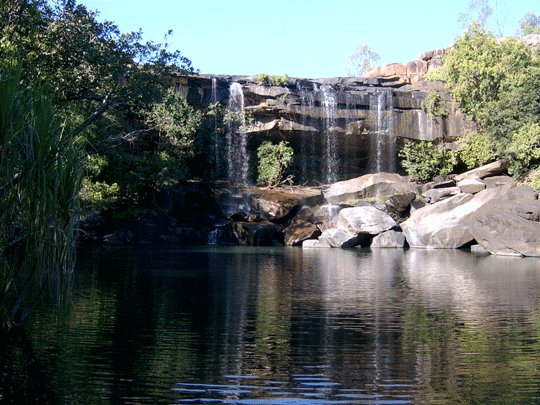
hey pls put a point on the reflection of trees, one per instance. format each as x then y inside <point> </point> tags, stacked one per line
<point>448,324</point>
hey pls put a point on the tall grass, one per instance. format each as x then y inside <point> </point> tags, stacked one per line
<point>40,178</point>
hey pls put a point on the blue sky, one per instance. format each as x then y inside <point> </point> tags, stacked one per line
<point>309,39</point>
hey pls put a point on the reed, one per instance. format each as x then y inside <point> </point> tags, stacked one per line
<point>40,177</point>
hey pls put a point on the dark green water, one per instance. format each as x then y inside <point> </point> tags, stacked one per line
<point>160,325</point>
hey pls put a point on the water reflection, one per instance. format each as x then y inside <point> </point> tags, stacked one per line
<point>249,326</point>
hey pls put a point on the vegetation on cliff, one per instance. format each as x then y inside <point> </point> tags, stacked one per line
<point>496,82</point>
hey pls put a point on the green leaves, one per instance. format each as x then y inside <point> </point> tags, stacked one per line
<point>273,161</point>
<point>423,161</point>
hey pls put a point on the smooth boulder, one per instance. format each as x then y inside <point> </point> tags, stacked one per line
<point>376,185</point>
<point>365,220</point>
<point>446,224</point>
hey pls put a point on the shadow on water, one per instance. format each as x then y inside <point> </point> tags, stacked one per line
<point>244,325</point>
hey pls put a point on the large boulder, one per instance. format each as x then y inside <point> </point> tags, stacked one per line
<point>503,233</point>
<point>447,224</point>
<point>257,233</point>
<point>492,169</point>
<point>376,186</point>
<point>341,238</point>
<point>365,220</point>
<point>299,231</point>
<point>389,239</point>
<point>510,227</point>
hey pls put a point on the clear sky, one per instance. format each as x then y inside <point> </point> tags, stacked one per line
<point>308,39</point>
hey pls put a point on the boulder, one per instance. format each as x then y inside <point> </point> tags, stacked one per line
<point>489,170</point>
<point>399,204</point>
<point>447,224</point>
<point>365,221</point>
<point>257,233</point>
<point>389,239</point>
<point>497,181</point>
<point>471,186</point>
<point>299,231</point>
<point>376,185</point>
<point>315,243</point>
<point>341,238</point>
<point>504,233</point>
<point>437,194</point>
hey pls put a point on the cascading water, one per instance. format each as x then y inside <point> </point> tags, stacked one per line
<point>330,146</point>
<point>308,167</point>
<point>237,156</point>
<point>382,142</point>
<point>214,147</point>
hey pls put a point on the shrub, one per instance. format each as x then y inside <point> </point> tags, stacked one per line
<point>273,161</point>
<point>476,150</point>
<point>423,161</point>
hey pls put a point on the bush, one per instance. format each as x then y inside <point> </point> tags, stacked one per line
<point>423,161</point>
<point>476,151</point>
<point>273,161</point>
<point>523,151</point>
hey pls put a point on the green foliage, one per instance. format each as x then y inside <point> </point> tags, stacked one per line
<point>529,24</point>
<point>264,79</point>
<point>423,161</point>
<point>39,182</point>
<point>437,74</point>
<point>273,161</point>
<point>523,150</point>
<point>361,61</point>
<point>434,106</point>
<point>476,150</point>
<point>477,66</point>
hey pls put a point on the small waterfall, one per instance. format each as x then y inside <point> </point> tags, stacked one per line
<point>237,156</point>
<point>308,167</point>
<point>330,152</point>
<point>214,147</point>
<point>382,142</point>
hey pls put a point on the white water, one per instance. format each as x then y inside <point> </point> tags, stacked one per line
<point>308,166</point>
<point>214,148</point>
<point>382,142</point>
<point>237,156</point>
<point>330,146</point>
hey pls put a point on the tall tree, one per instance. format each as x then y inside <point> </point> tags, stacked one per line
<point>361,61</point>
<point>529,24</point>
<point>487,14</point>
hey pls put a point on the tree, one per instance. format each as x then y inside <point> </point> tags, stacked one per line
<point>39,183</point>
<point>487,14</point>
<point>529,24</point>
<point>477,66</point>
<point>273,161</point>
<point>361,61</point>
<point>90,67</point>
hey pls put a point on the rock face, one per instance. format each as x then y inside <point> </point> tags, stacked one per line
<point>337,118</point>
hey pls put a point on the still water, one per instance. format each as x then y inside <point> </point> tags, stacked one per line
<point>162,325</point>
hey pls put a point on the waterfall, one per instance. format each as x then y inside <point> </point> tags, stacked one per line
<point>237,156</point>
<point>214,147</point>
<point>308,167</point>
<point>330,152</point>
<point>382,142</point>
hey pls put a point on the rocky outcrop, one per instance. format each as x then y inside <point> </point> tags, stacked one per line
<point>371,186</point>
<point>510,227</point>
<point>446,224</point>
